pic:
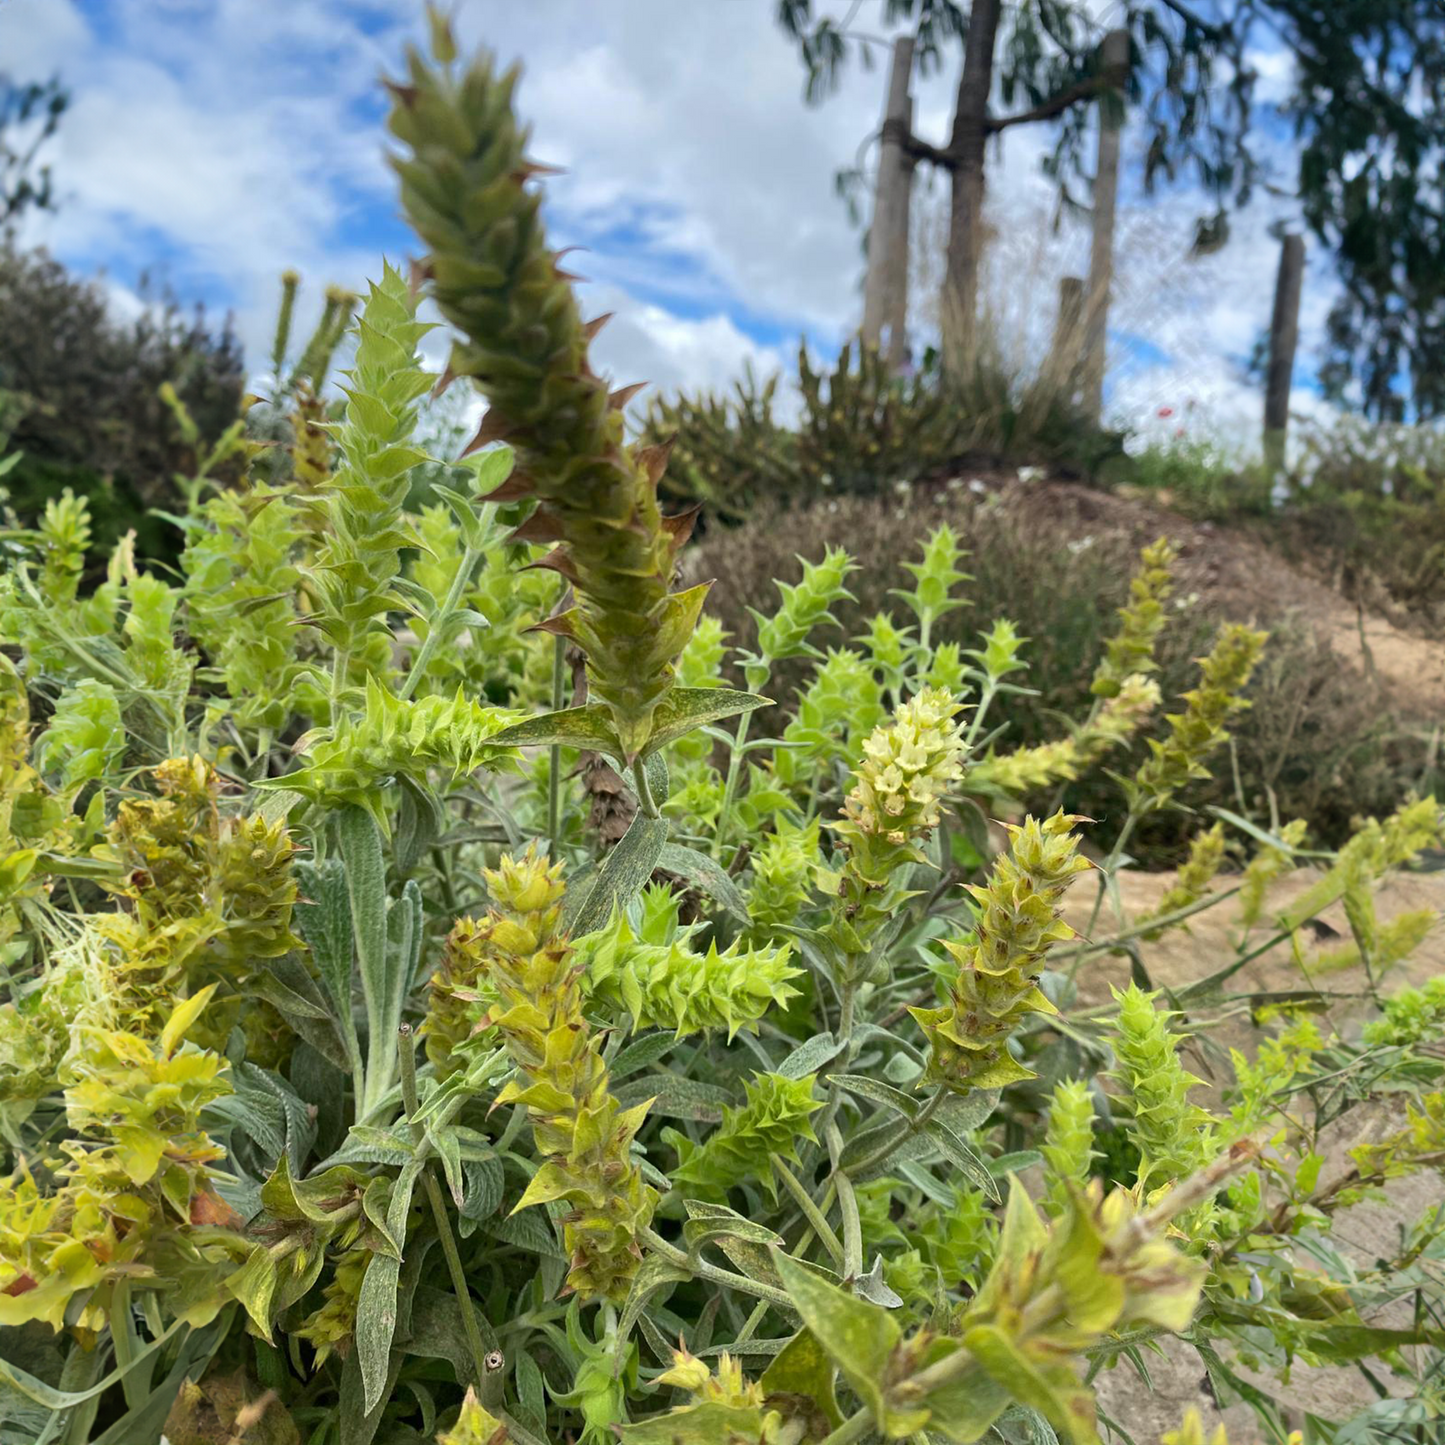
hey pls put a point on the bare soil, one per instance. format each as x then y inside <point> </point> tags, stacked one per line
<point>1246,581</point>
<point>1177,1381</point>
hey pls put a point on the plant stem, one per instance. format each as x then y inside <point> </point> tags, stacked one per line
<point>439,619</point>
<point>554,753</point>
<point>985,700</point>
<point>811,1212</point>
<point>459,1276</point>
<point>730,786</point>
<point>411,1103</point>
<point>913,1126</point>
<point>851,1429</point>
<point>1106,873</point>
<point>702,1270</point>
<point>1137,930</point>
<point>644,788</point>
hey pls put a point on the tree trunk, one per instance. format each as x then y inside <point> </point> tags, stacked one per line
<point>1114,61</point>
<point>1068,333</point>
<point>885,294</point>
<point>1283,338</point>
<point>967,148</point>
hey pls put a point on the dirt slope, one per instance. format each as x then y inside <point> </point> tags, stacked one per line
<point>1248,582</point>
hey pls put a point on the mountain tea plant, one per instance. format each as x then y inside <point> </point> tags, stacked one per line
<point>438,1009</point>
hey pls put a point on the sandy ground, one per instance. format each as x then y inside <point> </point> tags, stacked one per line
<point>1409,667</point>
<point>1177,1378</point>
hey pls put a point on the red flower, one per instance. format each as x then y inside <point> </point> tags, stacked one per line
<point>1166,411</point>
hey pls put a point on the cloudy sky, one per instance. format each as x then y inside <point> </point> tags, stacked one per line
<point>213,143</point>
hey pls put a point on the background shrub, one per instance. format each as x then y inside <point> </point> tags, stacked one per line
<point>1317,741</point>
<point>82,397</point>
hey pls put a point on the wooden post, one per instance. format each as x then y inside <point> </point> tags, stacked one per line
<point>1068,332</point>
<point>967,149</point>
<point>1283,339</point>
<point>1114,60</point>
<point>885,290</point>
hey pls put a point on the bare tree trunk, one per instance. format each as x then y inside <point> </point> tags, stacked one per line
<point>1068,334</point>
<point>1283,338</point>
<point>1114,61</point>
<point>885,294</point>
<point>967,148</point>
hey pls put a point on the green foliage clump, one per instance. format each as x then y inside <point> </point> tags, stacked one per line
<point>1174,1137</point>
<point>1411,1016</point>
<point>773,1122</point>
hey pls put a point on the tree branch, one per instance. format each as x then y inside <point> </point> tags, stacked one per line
<point>1055,105</point>
<point>917,149</point>
<point>1214,32</point>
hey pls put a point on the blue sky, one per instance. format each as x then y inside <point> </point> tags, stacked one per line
<point>213,143</point>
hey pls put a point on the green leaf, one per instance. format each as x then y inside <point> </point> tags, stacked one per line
<point>708,1222</point>
<point>483,1183</point>
<point>711,1423</point>
<point>653,1274</point>
<point>439,1330</point>
<point>1055,1393</point>
<point>880,1093</point>
<point>953,1149</point>
<point>419,820</point>
<point>587,728</point>
<point>859,1338</point>
<point>704,873</point>
<point>802,1368</point>
<point>360,843</point>
<point>810,1056</point>
<point>686,708</point>
<point>529,1231</point>
<point>641,1054</point>
<point>622,876</point>
<point>323,917</point>
<point>678,1098</point>
<point>376,1306</point>
<point>286,984</point>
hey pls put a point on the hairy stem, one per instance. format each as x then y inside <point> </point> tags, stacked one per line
<point>730,786</point>
<point>554,753</point>
<point>702,1270</point>
<point>644,789</point>
<point>411,1103</point>
<point>439,620</point>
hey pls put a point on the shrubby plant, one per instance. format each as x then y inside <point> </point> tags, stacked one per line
<point>358,1087</point>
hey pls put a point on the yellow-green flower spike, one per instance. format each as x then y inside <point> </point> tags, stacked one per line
<point>1200,728</point>
<point>465,187</point>
<point>910,766</point>
<point>583,1135</point>
<point>1206,853</point>
<point>997,983</point>
<point>1131,650</point>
